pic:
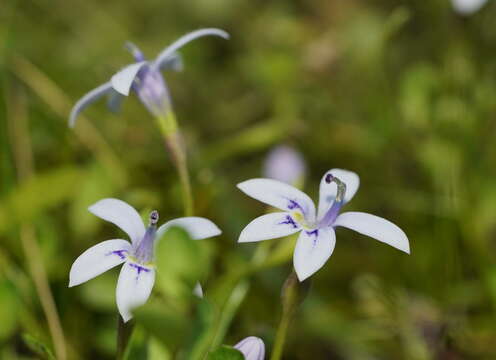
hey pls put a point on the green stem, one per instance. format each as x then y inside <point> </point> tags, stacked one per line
<point>173,141</point>
<point>124,331</point>
<point>293,293</point>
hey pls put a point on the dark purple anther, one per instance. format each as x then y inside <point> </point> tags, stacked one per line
<point>154,217</point>
<point>329,178</point>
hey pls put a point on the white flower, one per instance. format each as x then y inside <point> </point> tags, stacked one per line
<point>284,164</point>
<point>467,7</point>
<point>317,237</point>
<point>252,348</point>
<point>144,78</point>
<point>138,272</point>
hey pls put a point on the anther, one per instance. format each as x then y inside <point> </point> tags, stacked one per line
<point>329,178</point>
<point>154,217</point>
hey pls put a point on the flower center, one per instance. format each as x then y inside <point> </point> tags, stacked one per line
<point>144,250</point>
<point>331,214</point>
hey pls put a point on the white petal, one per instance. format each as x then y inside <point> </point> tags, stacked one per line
<point>133,287</point>
<point>121,214</point>
<point>123,80</point>
<point>173,62</point>
<point>375,227</point>
<point>86,100</point>
<point>467,7</point>
<point>198,291</point>
<point>98,259</point>
<point>252,347</point>
<point>197,227</point>
<point>270,226</point>
<point>279,195</point>
<point>327,192</point>
<point>176,45</point>
<point>312,250</point>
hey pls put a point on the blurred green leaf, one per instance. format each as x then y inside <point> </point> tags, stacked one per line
<point>226,353</point>
<point>37,346</point>
<point>9,303</point>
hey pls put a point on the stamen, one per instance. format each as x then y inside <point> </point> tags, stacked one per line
<point>341,186</point>
<point>153,217</point>
<point>135,51</point>
<point>331,214</point>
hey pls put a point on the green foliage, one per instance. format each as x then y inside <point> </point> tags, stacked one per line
<point>226,353</point>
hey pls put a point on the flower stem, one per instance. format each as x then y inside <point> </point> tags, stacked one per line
<point>173,141</point>
<point>293,293</point>
<point>124,331</point>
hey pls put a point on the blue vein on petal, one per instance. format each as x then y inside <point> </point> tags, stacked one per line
<point>289,221</point>
<point>139,268</point>
<point>293,204</point>
<point>315,233</point>
<point>119,253</point>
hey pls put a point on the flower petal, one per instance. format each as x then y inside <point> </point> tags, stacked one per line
<point>133,287</point>
<point>197,227</point>
<point>123,80</point>
<point>86,100</point>
<point>327,192</point>
<point>312,250</point>
<point>198,290</point>
<point>279,195</point>
<point>270,226</point>
<point>252,347</point>
<point>375,227</point>
<point>183,40</point>
<point>173,62</point>
<point>98,259</point>
<point>114,101</point>
<point>121,214</point>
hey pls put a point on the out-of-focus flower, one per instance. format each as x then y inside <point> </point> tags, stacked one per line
<point>252,348</point>
<point>138,272</point>
<point>284,164</point>
<point>467,7</point>
<point>317,237</point>
<point>144,78</point>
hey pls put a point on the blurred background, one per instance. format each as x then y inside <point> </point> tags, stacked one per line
<point>401,92</point>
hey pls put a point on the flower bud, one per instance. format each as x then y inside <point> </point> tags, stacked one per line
<point>285,164</point>
<point>253,348</point>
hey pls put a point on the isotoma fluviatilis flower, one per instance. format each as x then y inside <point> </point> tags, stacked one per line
<point>144,78</point>
<point>317,238</point>
<point>467,7</point>
<point>137,275</point>
<point>252,348</point>
<point>285,164</point>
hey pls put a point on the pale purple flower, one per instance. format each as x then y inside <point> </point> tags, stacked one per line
<point>137,275</point>
<point>284,164</point>
<point>317,238</point>
<point>144,78</point>
<point>252,348</point>
<point>467,7</point>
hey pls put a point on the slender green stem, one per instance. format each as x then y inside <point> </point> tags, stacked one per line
<point>293,293</point>
<point>124,331</point>
<point>173,141</point>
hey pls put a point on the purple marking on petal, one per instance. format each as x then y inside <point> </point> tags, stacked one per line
<point>139,268</point>
<point>289,221</point>
<point>119,253</point>
<point>316,235</point>
<point>293,204</point>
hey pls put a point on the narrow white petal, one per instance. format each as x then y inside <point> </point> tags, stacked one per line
<point>328,192</point>
<point>467,7</point>
<point>98,259</point>
<point>133,287</point>
<point>121,214</point>
<point>279,195</point>
<point>197,227</point>
<point>198,291</point>
<point>87,99</point>
<point>312,250</point>
<point>123,80</point>
<point>176,45</point>
<point>252,347</point>
<point>270,226</point>
<point>375,227</point>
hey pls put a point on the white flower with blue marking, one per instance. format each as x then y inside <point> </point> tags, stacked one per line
<point>137,275</point>
<point>317,238</point>
<point>144,78</point>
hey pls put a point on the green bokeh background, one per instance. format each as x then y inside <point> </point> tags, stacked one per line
<point>401,92</point>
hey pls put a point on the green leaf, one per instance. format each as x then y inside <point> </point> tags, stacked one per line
<point>38,347</point>
<point>9,305</point>
<point>181,262</point>
<point>226,353</point>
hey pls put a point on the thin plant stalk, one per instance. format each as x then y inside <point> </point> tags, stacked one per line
<point>124,331</point>
<point>23,157</point>
<point>174,143</point>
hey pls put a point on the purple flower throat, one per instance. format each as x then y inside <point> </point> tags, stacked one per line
<point>144,250</point>
<point>333,212</point>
